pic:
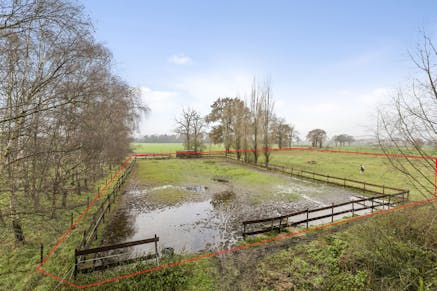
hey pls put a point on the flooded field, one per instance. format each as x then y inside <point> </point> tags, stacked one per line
<point>196,205</point>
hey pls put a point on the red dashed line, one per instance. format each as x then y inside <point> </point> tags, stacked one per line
<point>239,248</point>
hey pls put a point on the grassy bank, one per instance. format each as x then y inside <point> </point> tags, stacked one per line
<point>18,261</point>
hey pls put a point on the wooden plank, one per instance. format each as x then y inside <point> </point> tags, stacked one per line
<point>270,218</point>
<point>115,264</point>
<point>116,246</point>
<point>315,209</point>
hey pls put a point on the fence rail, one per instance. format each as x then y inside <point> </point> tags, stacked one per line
<point>362,186</point>
<point>84,265</point>
<point>352,207</point>
<point>90,234</point>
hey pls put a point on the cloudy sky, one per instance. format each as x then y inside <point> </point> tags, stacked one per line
<point>330,62</point>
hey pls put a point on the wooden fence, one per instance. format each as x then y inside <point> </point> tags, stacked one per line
<point>154,156</point>
<point>104,257</point>
<point>353,207</point>
<point>90,234</point>
<point>361,186</point>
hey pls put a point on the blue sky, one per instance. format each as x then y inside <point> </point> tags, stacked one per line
<point>330,62</point>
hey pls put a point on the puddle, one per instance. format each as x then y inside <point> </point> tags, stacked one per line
<point>188,227</point>
<point>213,220</point>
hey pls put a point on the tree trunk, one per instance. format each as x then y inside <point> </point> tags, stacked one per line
<point>78,185</point>
<point>2,221</point>
<point>64,198</point>
<point>55,190</point>
<point>16,223</point>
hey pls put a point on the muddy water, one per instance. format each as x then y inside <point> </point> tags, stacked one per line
<point>212,222</point>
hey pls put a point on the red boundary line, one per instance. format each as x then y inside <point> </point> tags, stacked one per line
<point>198,258</point>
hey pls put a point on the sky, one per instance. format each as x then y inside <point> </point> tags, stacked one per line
<point>330,63</point>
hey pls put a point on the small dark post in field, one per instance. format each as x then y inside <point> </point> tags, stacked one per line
<point>332,212</point>
<point>372,203</point>
<point>389,202</point>
<point>75,264</point>
<point>41,252</point>
<point>383,189</point>
<point>156,249</point>
<point>353,208</point>
<point>71,219</point>
<point>307,216</point>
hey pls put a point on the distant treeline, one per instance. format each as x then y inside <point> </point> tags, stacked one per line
<point>161,138</point>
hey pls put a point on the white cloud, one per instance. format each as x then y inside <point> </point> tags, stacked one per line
<point>180,59</point>
<point>376,96</point>
<point>351,112</point>
<point>164,106</point>
<point>205,88</point>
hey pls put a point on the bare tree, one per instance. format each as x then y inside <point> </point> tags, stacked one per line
<point>60,105</point>
<point>191,126</point>
<point>283,133</point>
<point>342,139</point>
<point>226,117</point>
<point>222,115</point>
<point>411,120</point>
<point>317,137</point>
<point>266,121</point>
<point>255,120</point>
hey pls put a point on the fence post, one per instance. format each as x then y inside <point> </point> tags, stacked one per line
<point>332,212</point>
<point>353,208</point>
<point>244,229</point>
<point>41,252</point>
<point>364,187</point>
<point>388,207</point>
<point>156,250</point>
<point>71,219</point>
<point>372,203</point>
<point>383,189</point>
<point>75,264</point>
<point>307,216</point>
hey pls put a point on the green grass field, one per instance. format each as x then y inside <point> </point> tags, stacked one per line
<point>18,262</point>
<point>378,169</point>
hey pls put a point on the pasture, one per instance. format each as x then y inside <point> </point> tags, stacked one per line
<point>378,169</point>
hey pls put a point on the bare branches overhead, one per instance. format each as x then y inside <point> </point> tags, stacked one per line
<point>64,116</point>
